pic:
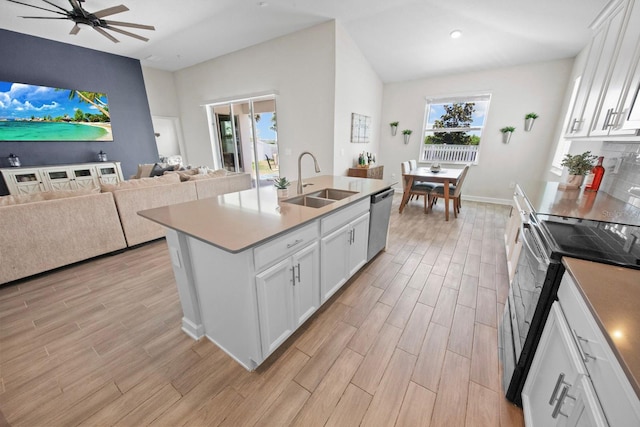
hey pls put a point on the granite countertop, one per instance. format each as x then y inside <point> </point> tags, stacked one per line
<point>613,297</point>
<point>547,198</point>
<point>237,221</point>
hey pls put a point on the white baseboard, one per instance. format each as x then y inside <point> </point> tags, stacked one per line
<point>194,331</point>
<point>491,200</point>
<point>480,199</point>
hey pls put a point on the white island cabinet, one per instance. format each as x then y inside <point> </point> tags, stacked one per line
<point>344,251</point>
<point>576,379</point>
<point>250,269</point>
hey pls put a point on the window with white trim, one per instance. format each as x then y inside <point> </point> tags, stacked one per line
<point>453,128</point>
<point>564,144</point>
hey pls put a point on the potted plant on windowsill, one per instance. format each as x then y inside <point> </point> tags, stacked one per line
<point>407,134</point>
<point>281,184</point>
<point>578,165</point>
<point>528,121</point>
<point>506,133</point>
<point>394,128</point>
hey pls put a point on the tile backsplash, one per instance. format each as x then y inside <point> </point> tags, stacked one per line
<point>622,171</point>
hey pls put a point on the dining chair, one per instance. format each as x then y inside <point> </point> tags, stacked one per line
<point>454,192</point>
<point>418,188</point>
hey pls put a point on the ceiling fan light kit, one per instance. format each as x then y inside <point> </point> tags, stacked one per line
<point>80,16</point>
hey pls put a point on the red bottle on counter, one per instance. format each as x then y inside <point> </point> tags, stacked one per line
<point>594,178</point>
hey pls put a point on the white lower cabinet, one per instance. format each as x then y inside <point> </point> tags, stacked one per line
<point>288,293</point>
<point>558,391</point>
<point>344,252</point>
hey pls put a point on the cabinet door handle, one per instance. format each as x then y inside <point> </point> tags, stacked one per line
<point>557,410</point>
<point>293,275</point>
<point>298,276</point>
<point>556,388</point>
<point>290,245</point>
<point>607,119</point>
<point>354,236</point>
<point>583,354</point>
<point>575,128</point>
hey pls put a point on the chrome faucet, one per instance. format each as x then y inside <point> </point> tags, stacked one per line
<point>315,161</point>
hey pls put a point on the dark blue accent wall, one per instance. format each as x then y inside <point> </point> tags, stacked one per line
<point>33,60</point>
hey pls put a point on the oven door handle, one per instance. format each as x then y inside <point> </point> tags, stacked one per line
<point>523,236</point>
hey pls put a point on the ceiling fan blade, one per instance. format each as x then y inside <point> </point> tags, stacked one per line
<point>75,4</point>
<point>41,17</point>
<point>37,7</point>
<point>55,5</point>
<point>110,11</point>
<point>75,30</point>
<point>129,24</point>
<point>107,35</point>
<point>127,33</point>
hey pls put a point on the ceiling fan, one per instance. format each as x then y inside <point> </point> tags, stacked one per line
<point>94,20</point>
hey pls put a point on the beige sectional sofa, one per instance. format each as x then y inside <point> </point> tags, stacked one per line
<point>44,231</point>
<point>47,234</point>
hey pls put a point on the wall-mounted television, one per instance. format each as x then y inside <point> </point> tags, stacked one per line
<point>40,113</point>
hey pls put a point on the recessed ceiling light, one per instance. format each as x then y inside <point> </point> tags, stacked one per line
<point>455,34</point>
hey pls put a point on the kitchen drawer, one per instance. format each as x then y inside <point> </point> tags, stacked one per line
<point>283,246</point>
<point>618,399</point>
<point>344,216</point>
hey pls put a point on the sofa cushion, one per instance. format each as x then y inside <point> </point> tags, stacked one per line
<point>171,178</point>
<point>19,199</point>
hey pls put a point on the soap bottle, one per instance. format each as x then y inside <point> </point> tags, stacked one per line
<point>594,178</point>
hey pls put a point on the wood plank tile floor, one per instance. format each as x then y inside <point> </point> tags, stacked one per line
<point>411,340</point>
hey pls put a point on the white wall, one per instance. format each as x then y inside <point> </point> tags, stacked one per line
<point>515,91</point>
<point>161,92</point>
<point>358,90</point>
<point>300,67</point>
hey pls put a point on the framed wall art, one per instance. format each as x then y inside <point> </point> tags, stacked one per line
<point>40,113</point>
<point>360,128</point>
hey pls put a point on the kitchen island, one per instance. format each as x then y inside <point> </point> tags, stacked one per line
<point>250,268</point>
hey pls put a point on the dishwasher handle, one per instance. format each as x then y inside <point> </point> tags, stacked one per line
<point>376,198</point>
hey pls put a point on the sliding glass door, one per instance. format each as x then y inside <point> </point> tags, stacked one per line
<point>250,138</point>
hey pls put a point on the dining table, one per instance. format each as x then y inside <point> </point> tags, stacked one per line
<point>445,177</point>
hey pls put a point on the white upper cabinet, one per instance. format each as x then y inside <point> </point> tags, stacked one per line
<point>610,76</point>
<point>618,91</point>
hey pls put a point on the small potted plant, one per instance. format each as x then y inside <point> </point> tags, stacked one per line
<point>528,121</point>
<point>506,133</point>
<point>578,165</point>
<point>407,134</point>
<point>281,184</point>
<point>394,128</point>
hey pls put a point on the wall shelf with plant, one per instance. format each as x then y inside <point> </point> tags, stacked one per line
<point>528,121</point>
<point>507,131</point>
<point>407,135</point>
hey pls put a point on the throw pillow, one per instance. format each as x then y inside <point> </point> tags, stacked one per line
<point>160,169</point>
<point>144,170</point>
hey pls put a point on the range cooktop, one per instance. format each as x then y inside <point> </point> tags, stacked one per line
<point>592,240</point>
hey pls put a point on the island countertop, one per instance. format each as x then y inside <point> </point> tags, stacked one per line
<point>612,295</point>
<point>546,198</point>
<point>237,221</point>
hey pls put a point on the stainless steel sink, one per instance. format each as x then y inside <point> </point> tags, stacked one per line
<point>309,201</point>
<point>332,194</point>
<point>320,198</point>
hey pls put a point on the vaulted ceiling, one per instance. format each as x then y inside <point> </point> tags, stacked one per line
<point>402,39</point>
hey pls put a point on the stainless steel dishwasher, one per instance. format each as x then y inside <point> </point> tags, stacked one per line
<point>379,221</point>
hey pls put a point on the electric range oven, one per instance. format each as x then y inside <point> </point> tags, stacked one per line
<point>546,239</point>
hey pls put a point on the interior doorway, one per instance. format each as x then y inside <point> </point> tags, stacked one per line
<point>168,135</point>
<point>249,142</point>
